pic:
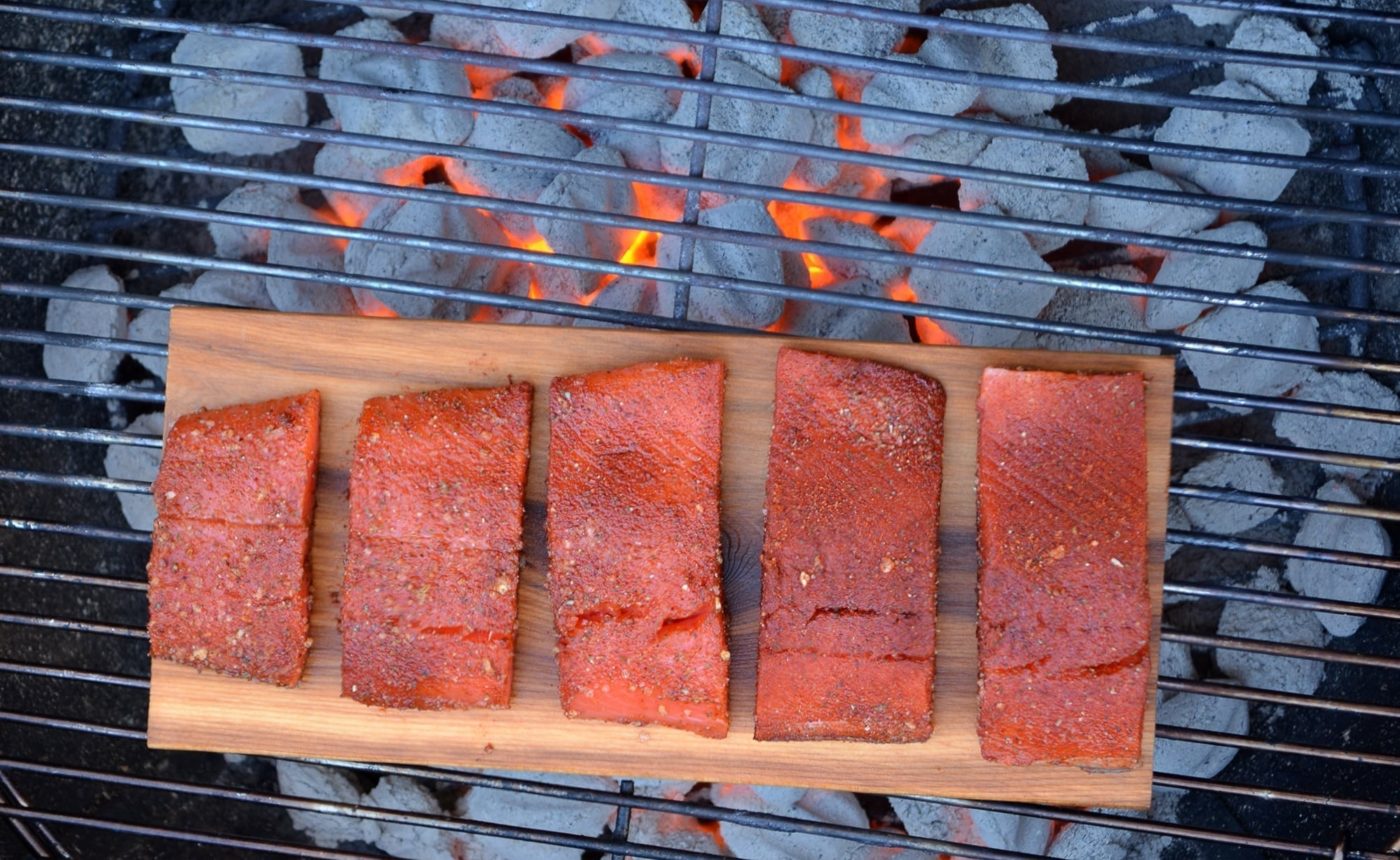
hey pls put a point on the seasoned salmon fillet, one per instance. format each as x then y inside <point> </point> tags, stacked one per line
<point>634,545</point>
<point>229,584</point>
<point>437,489</point>
<point>1064,615</point>
<point>850,552</point>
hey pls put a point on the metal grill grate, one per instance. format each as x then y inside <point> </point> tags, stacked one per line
<point>94,170</point>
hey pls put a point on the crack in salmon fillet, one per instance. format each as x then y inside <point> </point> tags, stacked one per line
<point>1064,613</point>
<point>229,587</point>
<point>428,603</point>
<point>634,545</point>
<point>850,552</point>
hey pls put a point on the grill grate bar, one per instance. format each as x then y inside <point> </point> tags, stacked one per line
<point>85,482</point>
<point>1280,599</point>
<point>1199,736</point>
<point>92,435</point>
<point>1297,10</point>
<point>72,625</point>
<point>1191,783</point>
<point>1287,404</point>
<point>1310,455</point>
<point>100,390</point>
<point>75,529</point>
<point>1283,550</point>
<point>70,578</point>
<point>1292,503</point>
<point>1280,649</point>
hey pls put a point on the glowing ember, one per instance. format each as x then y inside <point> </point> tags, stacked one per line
<point>927,330</point>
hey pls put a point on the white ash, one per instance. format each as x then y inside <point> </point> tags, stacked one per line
<point>1211,272</point>
<point>439,268</point>
<point>819,172</point>
<point>70,316</point>
<point>946,146</point>
<point>1329,580</point>
<point>1092,308</point>
<point>742,22</point>
<point>996,55</point>
<point>307,251</point>
<point>1247,132</point>
<point>668,789</point>
<point>315,782</point>
<point>905,93</point>
<point>1230,471</point>
<point>1078,841</point>
<point>624,101</point>
<point>270,200</point>
<point>516,280</point>
<point>1174,661</point>
<point>1203,16</point>
<point>236,289</point>
<point>979,244</point>
<point>1206,713</point>
<point>1344,91</point>
<point>410,841</point>
<point>580,192</point>
<point>850,35</point>
<point>830,807</point>
<point>1276,36</point>
<point>472,34</point>
<point>732,260</point>
<point>839,231</point>
<point>385,117</point>
<point>360,164</point>
<point>535,811</point>
<point>671,14</point>
<point>284,106</point>
<point>1243,375</point>
<point>385,12</point>
<point>1342,435</point>
<point>1176,521</point>
<point>535,40</point>
<point>1050,160</point>
<point>670,830</point>
<point>521,136</point>
<point>741,116</point>
<point>152,325</point>
<point>632,295</point>
<point>997,830</point>
<point>821,319</point>
<point>137,463</point>
<point>1147,216</point>
<point>1271,624</point>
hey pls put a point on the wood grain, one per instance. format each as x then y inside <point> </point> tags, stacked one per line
<point>218,357</point>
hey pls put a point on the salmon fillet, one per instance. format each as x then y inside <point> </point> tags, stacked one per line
<point>437,489</point>
<point>229,584</point>
<point>634,551</point>
<point>850,552</point>
<point>1064,615</point>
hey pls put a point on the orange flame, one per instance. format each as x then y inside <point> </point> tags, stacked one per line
<point>927,330</point>
<point>369,306</point>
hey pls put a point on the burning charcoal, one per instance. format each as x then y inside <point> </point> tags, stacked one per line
<point>1246,326</point>
<point>1275,36</point>
<point>670,830</point>
<point>672,14</point>
<point>238,101</point>
<point>742,22</point>
<point>839,231</point>
<point>1205,17</point>
<point>388,118</point>
<point>996,830</point>
<point>1206,713</point>
<point>819,172</point>
<point>985,245</point>
<point>997,55</point>
<point>510,181</point>
<point>892,90</point>
<point>1342,435</point>
<point>1330,581</point>
<point>307,251</point>
<point>323,783</point>
<point>1019,201</point>
<point>1174,661</point>
<point>519,280</point>
<point>152,325</point>
<point>1270,624</point>
<point>451,269</point>
<point>829,807</point>
<point>540,812</point>
<point>1107,310</point>
<point>946,146</point>
<point>851,35</point>
<point>236,289</point>
<point>533,40</point>
<point>729,260</point>
<point>1106,843</point>
<point>65,316</point>
<point>1232,472</point>
<point>741,116</point>
<point>235,241</point>
<point>1176,521</point>
<point>132,463</point>
<point>385,12</point>
<point>821,319</point>
<point>584,193</point>
<point>472,34</point>
<point>1229,130</point>
<point>1205,272</point>
<point>632,295</point>
<point>603,98</point>
<point>1147,216</point>
<point>408,841</point>
<point>359,164</point>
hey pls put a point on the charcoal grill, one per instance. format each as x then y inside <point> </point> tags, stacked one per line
<point>95,170</point>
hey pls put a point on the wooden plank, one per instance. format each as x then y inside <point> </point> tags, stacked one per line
<point>219,357</point>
